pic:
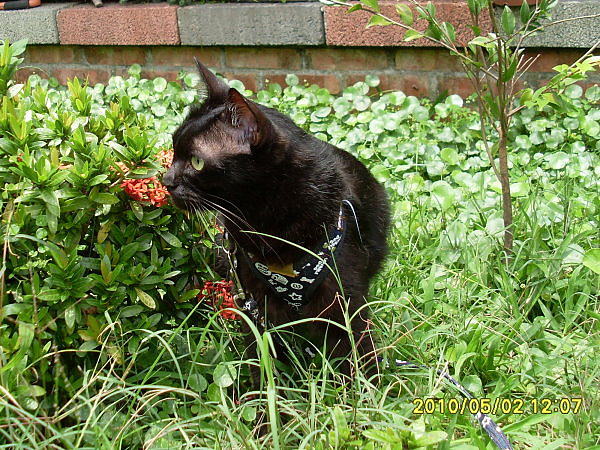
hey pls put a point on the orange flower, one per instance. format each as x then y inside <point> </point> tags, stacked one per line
<point>218,294</point>
<point>165,157</point>
<point>121,166</point>
<point>146,190</point>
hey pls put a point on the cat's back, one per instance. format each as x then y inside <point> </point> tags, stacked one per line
<point>326,161</point>
<point>368,202</point>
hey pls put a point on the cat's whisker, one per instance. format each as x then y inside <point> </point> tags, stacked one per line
<point>237,220</point>
<point>198,212</point>
<point>231,215</point>
<point>223,200</point>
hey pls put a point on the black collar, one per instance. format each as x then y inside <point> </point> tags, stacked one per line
<point>296,282</point>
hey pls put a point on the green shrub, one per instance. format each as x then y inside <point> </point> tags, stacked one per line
<point>79,253</point>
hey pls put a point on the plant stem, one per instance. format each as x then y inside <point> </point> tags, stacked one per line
<point>507,213</point>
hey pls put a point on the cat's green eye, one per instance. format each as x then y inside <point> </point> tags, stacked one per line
<point>197,163</point>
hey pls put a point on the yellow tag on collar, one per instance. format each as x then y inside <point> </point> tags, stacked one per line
<point>284,270</point>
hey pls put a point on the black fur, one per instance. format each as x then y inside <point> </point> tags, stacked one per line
<point>265,174</point>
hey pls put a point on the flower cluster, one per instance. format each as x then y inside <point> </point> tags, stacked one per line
<point>165,157</point>
<point>148,189</point>
<point>219,295</point>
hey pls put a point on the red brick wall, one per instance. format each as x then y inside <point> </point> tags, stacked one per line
<point>416,71</point>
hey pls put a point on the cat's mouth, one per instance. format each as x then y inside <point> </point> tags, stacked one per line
<point>181,203</point>
<point>185,201</point>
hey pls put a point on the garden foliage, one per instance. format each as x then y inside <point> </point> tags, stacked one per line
<point>100,275</point>
<point>79,252</point>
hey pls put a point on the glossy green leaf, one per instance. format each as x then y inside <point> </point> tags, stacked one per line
<point>19,47</point>
<point>405,13</point>
<point>507,19</point>
<point>197,382</point>
<point>25,338</point>
<point>510,71</point>
<point>430,438</point>
<point>449,31</point>
<point>170,238</point>
<point>411,35</point>
<point>443,195</point>
<point>372,4</point>
<point>525,12</point>
<point>70,317</point>
<point>160,84</point>
<point>224,375</point>
<point>104,198</point>
<point>378,21</point>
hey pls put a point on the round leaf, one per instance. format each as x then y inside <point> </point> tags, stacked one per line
<point>372,80</point>
<point>159,110</point>
<point>292,80</point>
<point>443,195</point>
<point>197,382</point>
<point>574,91</point>
<point>224,375</point>
<point>160,84</point>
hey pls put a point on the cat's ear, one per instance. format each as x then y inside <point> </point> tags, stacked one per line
<point>253,123</point>
<point>216,89</point>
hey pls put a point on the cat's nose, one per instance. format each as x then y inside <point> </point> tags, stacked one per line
<point>169,179</point>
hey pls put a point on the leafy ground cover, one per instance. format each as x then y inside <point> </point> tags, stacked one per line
<point>107,340</point>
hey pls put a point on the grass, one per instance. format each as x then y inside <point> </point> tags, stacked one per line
<point>500,330</point>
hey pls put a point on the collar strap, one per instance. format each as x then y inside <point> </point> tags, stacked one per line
<point>296,282</point>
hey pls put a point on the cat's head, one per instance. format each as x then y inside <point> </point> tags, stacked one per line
<point>219,148</point>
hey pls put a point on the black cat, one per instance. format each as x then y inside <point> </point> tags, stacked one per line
<point>274,185</point>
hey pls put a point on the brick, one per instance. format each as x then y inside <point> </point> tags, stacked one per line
<point>350,29</point>
<point>347,59</point>
<point>456,85</point>
<point>536,80</point>
<point>549,58</point>
<point>115,56</point>
<point>120,71</point>
<point>353,78</point>
<point>184,56</point>
<point>409,84</point>
<point>427,59</point>
<point>92,76</point>
<point>115,24</point>
<point>249,79</point>
<point>252,24</point>
<point>37,25</point>
<point>586,85</point>
<point>51,54</point>
<point>263,58</point>
<point>329,82</point>
<point>23,74</point>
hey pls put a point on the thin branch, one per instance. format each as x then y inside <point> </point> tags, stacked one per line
<point>558,22</point>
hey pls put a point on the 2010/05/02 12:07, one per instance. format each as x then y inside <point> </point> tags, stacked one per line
<point>430,405</point>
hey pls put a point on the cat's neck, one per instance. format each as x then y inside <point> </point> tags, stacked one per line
<point>293,208</point>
